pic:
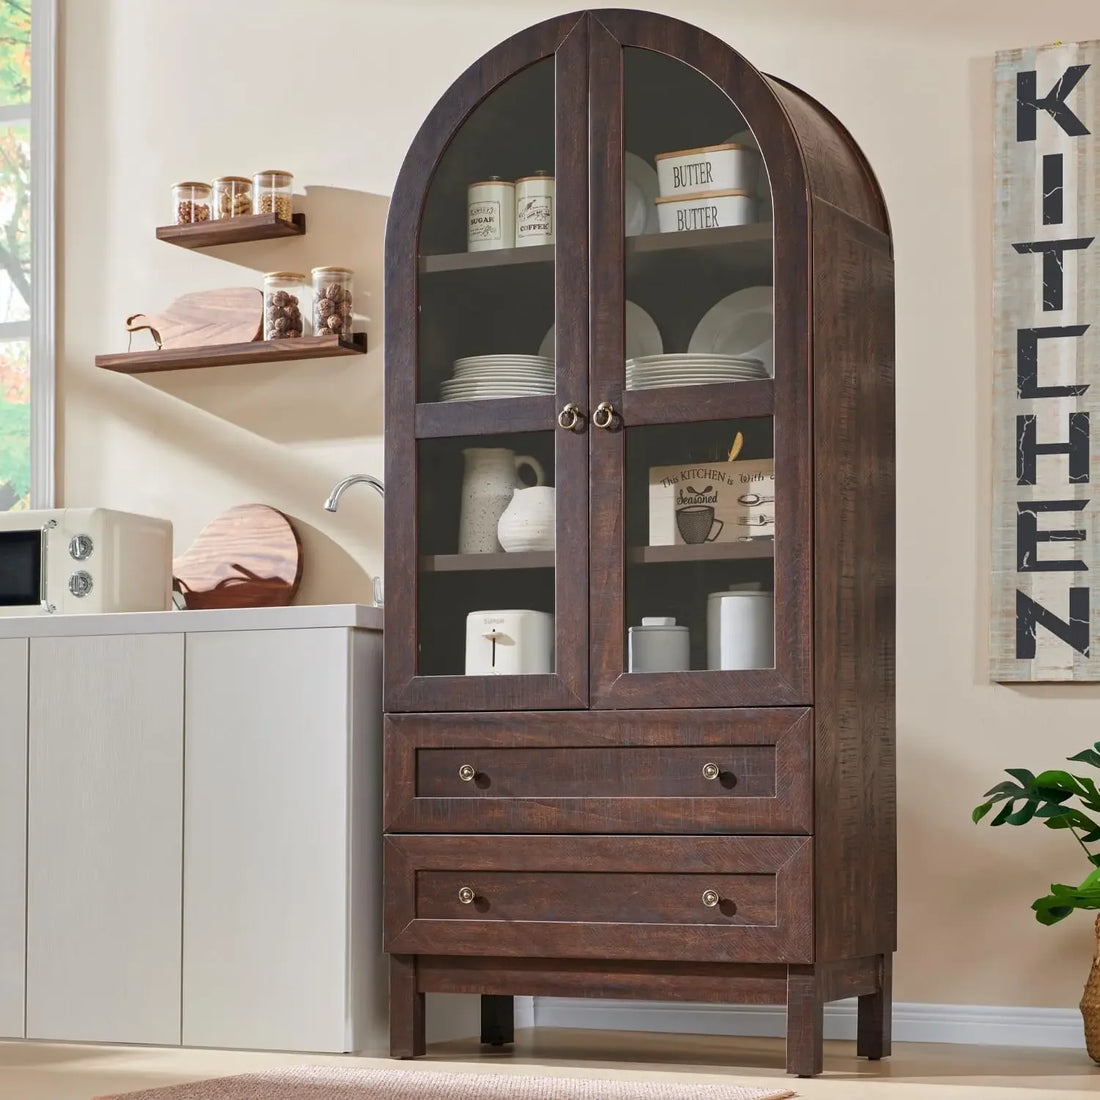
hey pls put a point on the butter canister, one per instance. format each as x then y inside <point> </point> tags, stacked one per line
<point>535,209</point>
<point>490,215</point>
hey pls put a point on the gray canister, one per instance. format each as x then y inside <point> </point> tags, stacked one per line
<point>658,645</point>
<point>741,628</point>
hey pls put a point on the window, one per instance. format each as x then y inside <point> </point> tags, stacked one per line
<point>26,263</point>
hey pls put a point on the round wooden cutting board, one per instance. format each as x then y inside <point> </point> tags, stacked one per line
<point>249,556</point>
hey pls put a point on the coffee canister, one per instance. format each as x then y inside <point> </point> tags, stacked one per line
<point>741,629</point>
<point>490,215</point>
<point>535,209</point>
<point>658,645</point>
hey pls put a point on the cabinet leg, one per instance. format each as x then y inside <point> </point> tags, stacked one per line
<point>874,1016</point>
<point>805,1023</point>
<point>497,1020</point>
<point>406,1009</point>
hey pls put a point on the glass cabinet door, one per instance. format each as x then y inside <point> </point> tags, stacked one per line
<point>694,452</point>
<point>499,499</point>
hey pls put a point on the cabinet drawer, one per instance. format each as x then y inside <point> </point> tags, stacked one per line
<point>736,771</point>
<point>728,899</point>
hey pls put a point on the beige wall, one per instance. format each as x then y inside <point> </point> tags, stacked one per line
<point>334,90</point>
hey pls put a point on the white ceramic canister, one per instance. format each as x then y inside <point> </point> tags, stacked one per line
<point>528,522</point>
<point>713,210</point>
<point>490,215</point>
<point>535,209</point>
<point>658,645</point>
<point>728,167</point>
<point>741,629</point>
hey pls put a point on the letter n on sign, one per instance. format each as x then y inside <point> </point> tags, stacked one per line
<point>1046,385</point>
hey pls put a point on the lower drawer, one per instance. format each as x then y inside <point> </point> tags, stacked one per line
<point>728,899</point>
<point>674,771</point>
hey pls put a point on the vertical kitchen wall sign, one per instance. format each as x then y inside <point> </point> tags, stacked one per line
<point>1046,294</point>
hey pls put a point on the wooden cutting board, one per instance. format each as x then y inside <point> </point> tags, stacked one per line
<point>231,316</point>
<point>249,556</point>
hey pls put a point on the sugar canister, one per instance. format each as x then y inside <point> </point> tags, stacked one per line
<point>490,215</point>
<point>535,209</point>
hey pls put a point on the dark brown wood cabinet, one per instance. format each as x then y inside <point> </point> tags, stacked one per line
<point>726,831</point>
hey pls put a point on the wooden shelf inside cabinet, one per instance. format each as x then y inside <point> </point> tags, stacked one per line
<point>707,551</point>
<point>221,355</point>
<point>498,257</point>
<point>249,227</point>
<point>435,419</point>
<point>466,563</point>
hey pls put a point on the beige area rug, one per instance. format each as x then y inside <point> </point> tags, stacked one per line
<point>319,1083</point>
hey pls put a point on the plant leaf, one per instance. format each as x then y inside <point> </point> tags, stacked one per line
<point>1003,815</point>
<point>1022,774</point>
<point>1088,756</point>
<point>1023,815</point>
<point>1049,910</point>
<point>980,811</point>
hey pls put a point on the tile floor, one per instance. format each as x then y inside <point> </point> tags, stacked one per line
<point>54,1071</point>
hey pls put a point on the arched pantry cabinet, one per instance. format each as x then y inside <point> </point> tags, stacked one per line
<point>640,744</point>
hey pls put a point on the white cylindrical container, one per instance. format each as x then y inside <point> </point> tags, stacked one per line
<point>728,167</point>
<point>490,215</point>
<point>535,209</point>
<point>711,210</point>
<point>740,630</point>
<point>658,645</point>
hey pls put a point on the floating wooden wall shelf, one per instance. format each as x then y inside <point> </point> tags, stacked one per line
<point>220,355</point>
<point>250,227</point>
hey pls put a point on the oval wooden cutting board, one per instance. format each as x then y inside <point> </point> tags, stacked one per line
<point>231,316</point>
<point>249,556</point>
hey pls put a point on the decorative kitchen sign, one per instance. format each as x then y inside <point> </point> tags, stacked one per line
<point>1046,555</point>
<point>711,502</point>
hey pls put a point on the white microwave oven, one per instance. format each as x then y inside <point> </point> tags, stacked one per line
<point>68,561</point>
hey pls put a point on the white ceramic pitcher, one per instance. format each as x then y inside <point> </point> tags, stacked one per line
<point>491,477</point>
<point>528,522</point>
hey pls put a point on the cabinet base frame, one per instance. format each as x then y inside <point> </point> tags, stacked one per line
<point>803,989</point>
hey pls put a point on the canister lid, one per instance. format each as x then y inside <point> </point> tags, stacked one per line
<point>201,184</point>
<point>745,588</point>
<point>332,271</point>
<point>232,179</point>
<point>658,622</point>
<point>704,149</point>
<point>491,180</point>
<point>285,275</point>
<point>273,176</point>
<point>546,176</point>
<point>695,196</point>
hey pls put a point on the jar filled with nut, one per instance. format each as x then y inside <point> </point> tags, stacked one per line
<point>191,202</point>
<point>271,191</point>
<point>283,298</point>
<point>332,301</point>
<point>232,196</point>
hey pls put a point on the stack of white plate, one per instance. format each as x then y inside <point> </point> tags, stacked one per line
<point>477,377</point>
<point>649,372</point>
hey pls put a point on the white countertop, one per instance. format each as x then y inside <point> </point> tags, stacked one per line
<point>349,615</point>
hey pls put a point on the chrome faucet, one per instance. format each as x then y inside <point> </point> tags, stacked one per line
<point>333,502</point>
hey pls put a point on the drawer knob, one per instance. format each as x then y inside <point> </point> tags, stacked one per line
<point>711,898</point>
<point>466,895</point>
<point>467,773</point>
<point>711,771</point>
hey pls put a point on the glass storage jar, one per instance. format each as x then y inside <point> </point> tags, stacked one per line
<point>332,301</point>
<point>284,294</point>
<point>232,196</point>
<point>191,201</point>
<point>271,193</point>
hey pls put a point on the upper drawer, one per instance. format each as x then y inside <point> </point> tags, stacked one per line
<point>673,771</point>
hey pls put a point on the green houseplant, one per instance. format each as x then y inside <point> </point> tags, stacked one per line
<point>1060,801</point>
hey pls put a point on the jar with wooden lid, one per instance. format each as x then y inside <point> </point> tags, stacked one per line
<point>191,202</point>
<point>284,297</point>
<point>232,196</point>
<point>332,301</point>
<point>271,193</point>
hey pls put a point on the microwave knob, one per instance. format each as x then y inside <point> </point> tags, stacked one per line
<point>81,547</point>
<point>80,584</point>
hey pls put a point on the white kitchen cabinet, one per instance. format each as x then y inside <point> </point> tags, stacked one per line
<point>104,838</point>
<point>281,839</point>
<point>13,832</point>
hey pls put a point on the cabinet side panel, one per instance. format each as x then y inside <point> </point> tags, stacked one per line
<point>368,995</point>
<point>13,834</point>
<point>265,839</point>
<point>104,835</point>
<point>854,782</point>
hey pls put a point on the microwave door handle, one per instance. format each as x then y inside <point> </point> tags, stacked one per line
<point>43,568</point>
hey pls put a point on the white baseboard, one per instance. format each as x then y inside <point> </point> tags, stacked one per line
<point>913,1023</point>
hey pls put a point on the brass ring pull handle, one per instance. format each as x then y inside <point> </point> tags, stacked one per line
<point>711,771</point>
<point>467,773</point>
<point>466,895</point>
<point>604,416</point>
<point>711,898</point>
<point>571,417</point>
